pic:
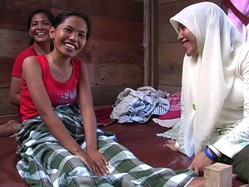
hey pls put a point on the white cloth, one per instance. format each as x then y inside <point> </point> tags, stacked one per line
<point>168,123</point>
<point>173,132</point>
<point>208,78</point>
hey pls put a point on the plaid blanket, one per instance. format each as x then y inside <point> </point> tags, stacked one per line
<point>44,162</point>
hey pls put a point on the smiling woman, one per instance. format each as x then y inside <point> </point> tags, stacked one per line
<point>215,87</point>
<point>39,24</point>
<point>188,40</point>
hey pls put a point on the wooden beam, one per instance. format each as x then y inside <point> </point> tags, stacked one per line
<point>150,43</point>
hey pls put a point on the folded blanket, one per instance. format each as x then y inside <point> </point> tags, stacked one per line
<point>44,162</point>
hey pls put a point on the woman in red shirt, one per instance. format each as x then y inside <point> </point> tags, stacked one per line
<point>39,24</point>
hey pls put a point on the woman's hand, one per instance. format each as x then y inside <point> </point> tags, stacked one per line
<point>200,162</point>
<point>170,143</point>
<point>100,160</point>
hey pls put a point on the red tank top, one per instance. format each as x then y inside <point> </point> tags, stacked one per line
<point>59,93</point>
<point>17,68</point>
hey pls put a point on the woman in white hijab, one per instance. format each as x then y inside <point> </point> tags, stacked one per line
<point>215,89</point>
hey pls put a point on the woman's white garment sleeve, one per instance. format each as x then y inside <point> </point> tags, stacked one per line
<point>238,138</point>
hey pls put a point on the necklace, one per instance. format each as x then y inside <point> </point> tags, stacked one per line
<point>57,69</point>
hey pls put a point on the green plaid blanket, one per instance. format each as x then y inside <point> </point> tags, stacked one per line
<point>44,162</point>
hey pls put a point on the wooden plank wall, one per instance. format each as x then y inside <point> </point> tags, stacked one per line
<point>114,53</point>
<point>170,51</point>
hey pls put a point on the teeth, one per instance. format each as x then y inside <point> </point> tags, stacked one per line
<point>40,34</point>
<point>70,45</point>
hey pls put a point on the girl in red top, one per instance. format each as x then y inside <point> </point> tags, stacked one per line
<point>57,79</point>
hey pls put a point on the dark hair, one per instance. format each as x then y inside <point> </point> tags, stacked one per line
<point>37,11</point>
<point>67,13</point>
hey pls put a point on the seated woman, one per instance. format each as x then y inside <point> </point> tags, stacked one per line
<point>215,90</point>
<point>59,143</point>
<point>39,24</point>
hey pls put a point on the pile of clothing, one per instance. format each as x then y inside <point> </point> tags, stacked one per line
<point>137,106</point>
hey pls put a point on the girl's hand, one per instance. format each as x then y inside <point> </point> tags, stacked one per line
<point>100,160</point>
<point>89,163</point>
<point>170,143</point>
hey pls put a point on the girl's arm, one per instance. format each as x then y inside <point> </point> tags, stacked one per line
<point>86,109</point>
<point>90,123</point>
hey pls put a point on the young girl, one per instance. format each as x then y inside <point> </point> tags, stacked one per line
<point>39,24</point>
<point>59,143</point>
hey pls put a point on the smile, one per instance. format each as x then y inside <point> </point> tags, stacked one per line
<point>71,46</point>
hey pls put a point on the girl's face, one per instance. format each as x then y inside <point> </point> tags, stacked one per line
<point>40,27</point>
<point>188,40</point>
<point>70,36</point>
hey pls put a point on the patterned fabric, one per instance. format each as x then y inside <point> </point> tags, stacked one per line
<point>46,163</point>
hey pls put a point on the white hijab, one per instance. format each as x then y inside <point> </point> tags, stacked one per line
<point>207,79</point>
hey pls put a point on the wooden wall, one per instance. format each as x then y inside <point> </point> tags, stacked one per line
<point>170,51</point>
<point>114,53</point>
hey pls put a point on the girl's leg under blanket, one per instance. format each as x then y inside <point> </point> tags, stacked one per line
<point>49,164</point>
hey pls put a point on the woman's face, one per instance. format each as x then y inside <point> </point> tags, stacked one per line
<point>188,40</point>
<point>40,27</point>
<point>70,36</point>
